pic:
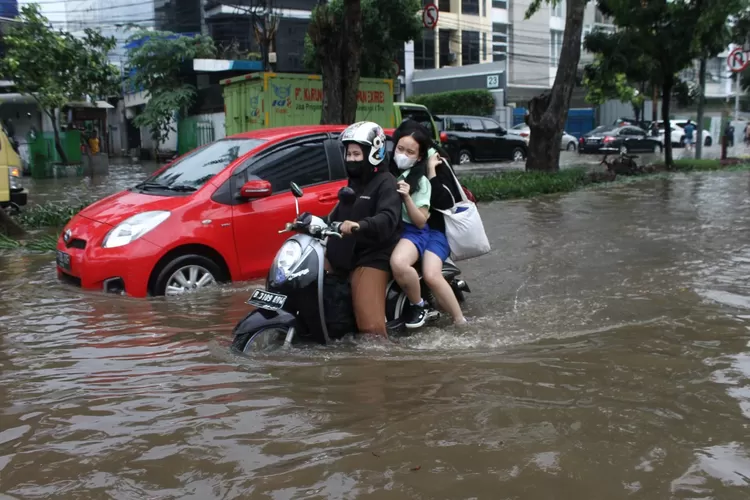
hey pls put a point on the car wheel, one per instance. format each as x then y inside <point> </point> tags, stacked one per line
<point>571,146</point>
<point>464,157</point>
<point>708,142</point>
<point>187,273</point>
<point>519,154</point>
<point>623,150</point>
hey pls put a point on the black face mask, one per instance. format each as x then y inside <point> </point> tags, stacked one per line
<point>355,169</point>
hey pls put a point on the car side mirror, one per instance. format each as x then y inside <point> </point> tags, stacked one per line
<point>255,189</point>
<point>296,190</point>
<point>502,131</point>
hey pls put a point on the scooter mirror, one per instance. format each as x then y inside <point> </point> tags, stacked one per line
<point>347,196</point>
<point>296,190</point>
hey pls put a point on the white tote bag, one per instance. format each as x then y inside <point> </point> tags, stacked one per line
<point>464,228</point>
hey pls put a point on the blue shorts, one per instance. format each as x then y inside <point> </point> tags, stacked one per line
<point>419,237</point>
<point>438,244</point>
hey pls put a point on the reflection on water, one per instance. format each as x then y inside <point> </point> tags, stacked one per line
<point>608,356</point>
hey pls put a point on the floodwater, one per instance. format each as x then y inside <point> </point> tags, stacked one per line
<point>608,357</point>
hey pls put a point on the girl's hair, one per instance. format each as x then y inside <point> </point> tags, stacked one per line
<point>421,135</point>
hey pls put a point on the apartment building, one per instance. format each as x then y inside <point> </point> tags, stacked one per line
<point>463,36</point>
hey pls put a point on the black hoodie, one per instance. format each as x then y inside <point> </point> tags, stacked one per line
<point>377,209</point>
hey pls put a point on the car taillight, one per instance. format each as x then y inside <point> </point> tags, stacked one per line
<point>609,138</point>
<point>581,140</point>
<point>443,137</point>
<point>524,134</point>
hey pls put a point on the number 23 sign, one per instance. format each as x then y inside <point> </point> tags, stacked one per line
<point>430,16</point>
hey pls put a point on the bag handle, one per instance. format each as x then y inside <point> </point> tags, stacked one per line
<point>458,184</point>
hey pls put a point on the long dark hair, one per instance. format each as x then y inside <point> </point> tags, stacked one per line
<point>422,136</point>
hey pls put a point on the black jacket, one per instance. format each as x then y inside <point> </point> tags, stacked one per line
<point>443,186</point>
<point>377,209</point>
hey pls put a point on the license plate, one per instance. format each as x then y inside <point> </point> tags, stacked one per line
<point>592,141</point>
<point>267,300</point>
<point>63,260</point>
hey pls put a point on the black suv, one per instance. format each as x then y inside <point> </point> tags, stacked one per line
<point>474,138</point>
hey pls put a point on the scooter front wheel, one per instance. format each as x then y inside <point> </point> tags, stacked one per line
<point>267,339</point>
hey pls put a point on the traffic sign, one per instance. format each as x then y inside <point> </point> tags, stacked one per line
<point>430,16</point>
<point>738,60</point>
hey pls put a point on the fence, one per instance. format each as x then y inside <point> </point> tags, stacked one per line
<point>194,132</point>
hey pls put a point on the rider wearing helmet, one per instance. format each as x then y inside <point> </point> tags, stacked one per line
<point>372,223</point>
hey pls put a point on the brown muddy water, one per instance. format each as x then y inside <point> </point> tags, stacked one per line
<point>608,357</point>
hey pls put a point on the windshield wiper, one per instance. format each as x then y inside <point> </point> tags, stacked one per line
<point>157,185</point>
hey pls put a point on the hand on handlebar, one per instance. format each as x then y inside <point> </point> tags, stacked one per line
<point>348,227</point>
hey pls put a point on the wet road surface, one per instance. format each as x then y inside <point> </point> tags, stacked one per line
<point>608,357</point>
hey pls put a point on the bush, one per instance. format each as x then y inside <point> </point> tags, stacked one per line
<point>460,102</point>
<point>49,215</point>
<point>526,184</point>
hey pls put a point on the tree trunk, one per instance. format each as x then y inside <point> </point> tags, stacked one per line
<point>327,36</point>
<point>637,112</point>
<point>666,92</point>
<point>8,226</point>
<point>549,111</point>
<point>701,107</point>
<point>58,142</point>
<point>352,57</point>
<point>654,103</point>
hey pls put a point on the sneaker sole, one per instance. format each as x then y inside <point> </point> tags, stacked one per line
<point>416,325</point>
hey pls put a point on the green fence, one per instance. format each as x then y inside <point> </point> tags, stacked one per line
<point>193,132</point>
<point>43,155</point>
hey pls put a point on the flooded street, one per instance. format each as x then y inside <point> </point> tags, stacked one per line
<point>608,357</point>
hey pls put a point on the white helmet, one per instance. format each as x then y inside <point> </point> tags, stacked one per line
<point>369,135</point>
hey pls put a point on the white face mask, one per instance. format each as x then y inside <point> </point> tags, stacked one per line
<point>404,162</point>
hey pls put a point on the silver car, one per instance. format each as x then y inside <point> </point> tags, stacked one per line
<point>568,142</point>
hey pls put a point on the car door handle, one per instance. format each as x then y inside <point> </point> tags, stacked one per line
<point>328,198</point>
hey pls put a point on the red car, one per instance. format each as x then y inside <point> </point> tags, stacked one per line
<point>212,215</point>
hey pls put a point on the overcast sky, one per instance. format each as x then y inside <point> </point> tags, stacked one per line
<point>54,10</point>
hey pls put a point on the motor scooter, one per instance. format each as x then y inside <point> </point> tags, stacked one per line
<point>300,297</point>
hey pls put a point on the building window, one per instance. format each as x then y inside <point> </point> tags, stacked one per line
<point>558,10</point>
<point>500,4</point>
<point>470,7</point>
<point>484,46</point>
<point>443,5</point>
<point>555,47</point>
<point>447,57</point>
<point>469,47</point>
<point>424,51</point>
<point>500,45</point>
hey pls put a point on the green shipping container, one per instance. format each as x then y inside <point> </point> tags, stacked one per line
<point>263,100</point>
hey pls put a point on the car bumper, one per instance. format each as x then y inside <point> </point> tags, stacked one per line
<point>124,269</point>
<point>18,197</point>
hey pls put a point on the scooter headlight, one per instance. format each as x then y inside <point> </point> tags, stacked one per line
<point>288,255</point>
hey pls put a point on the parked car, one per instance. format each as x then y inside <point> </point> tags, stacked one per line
<point>678,133</point>
<point>610,139</point>
<point>212,215</point>
<point>474,138</point>
<point>567,142</point>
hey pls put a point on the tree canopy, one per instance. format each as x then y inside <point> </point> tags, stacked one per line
<point>156,64</point>
<point>386,26</point>
<point>55,67</point>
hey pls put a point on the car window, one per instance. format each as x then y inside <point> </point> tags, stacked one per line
<point>419,115</point>
<point>198,167</point>
<point>305,164</point>
<point>475,125</point>
<point>491,126</point>
<point>459,124</point>
<point>601,130</point>
<point>520,126</point>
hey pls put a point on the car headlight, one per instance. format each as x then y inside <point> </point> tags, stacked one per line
<point>288,255</point>
<point>14,176</point>
<point>133,228</point>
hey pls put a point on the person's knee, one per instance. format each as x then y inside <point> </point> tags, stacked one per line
<point>399,263</point>
<point>432,276</point>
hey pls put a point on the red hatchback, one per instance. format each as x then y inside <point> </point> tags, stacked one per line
<point>213,215</point>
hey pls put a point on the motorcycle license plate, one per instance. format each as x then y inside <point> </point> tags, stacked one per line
<point>267,300</point>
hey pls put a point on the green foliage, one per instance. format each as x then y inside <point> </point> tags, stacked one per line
<point>55,67</point>
<point>49,214</point>
<point>459,102</point>
<point>525,184</point>
<point>158,63</point>
<point>602,85</point>
<point>386,26</point>
<point>45,243</point>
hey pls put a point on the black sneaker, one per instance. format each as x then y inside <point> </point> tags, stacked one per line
<point>415,317</point>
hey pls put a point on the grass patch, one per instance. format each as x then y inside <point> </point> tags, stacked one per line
<point>49,214</point>
<point>508,185</point>
<point>693,165</point>
<point>45,243</point>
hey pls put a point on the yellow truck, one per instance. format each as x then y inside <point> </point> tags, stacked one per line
<point>12,193</point>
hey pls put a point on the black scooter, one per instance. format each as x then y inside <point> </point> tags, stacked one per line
<point>303,303</point>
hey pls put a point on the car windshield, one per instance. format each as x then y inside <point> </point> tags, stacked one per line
<point>602,129</point>
<point>197,168</point>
